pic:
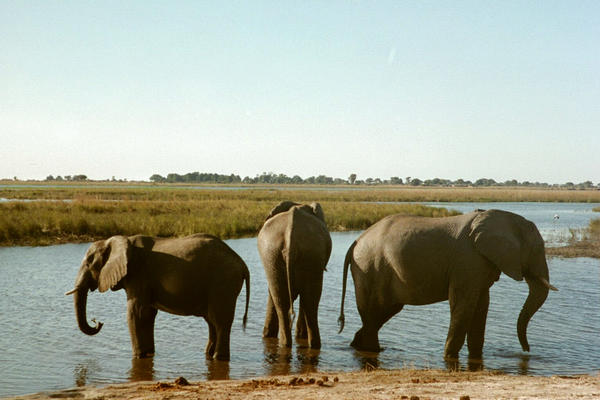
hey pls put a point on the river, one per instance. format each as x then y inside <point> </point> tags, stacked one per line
<point>42,348</point>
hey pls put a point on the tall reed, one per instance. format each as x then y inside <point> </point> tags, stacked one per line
<point>47,222</point>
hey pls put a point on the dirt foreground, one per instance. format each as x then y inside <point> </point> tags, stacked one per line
<point>378,384</point>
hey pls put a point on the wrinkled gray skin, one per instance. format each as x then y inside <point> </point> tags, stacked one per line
<point>195,275</point>
<point>294,245</point>
<point>416,260</point>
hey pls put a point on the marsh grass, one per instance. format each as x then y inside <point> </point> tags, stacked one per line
<point>88,212</point>
<point>81,220</point>
<point>276,193</point>
<point>583,243</point>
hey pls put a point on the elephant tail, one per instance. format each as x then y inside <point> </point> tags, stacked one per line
<point>347,261</point>
<point>288,256</point>
<point>247,280</point>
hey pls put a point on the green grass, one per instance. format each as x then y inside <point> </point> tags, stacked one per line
<point>49,222</point>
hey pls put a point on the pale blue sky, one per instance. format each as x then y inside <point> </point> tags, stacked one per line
<point>447,89</point>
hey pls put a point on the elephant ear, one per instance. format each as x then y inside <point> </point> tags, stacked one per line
<point>115,268</point>
<point>281,207</point>
<point>496,236</point>
<point>318,211</point>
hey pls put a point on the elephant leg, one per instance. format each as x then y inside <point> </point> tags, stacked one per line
<point>367,337</point>
<point>476,333</point>
<point>271,321</point>
<point>285,329</point>
<point>462,309</point>
<point>310,295</point>
<point>301,332</point>
<point>220,315</point>
<point>281,302</point>
<point>140,318</point>
<point>374,312</point>
<point>212,340</point>
<point>222,344</point>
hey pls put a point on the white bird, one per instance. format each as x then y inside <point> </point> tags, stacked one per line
<point>556,216</point>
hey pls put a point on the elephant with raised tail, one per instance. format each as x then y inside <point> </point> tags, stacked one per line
<point>417,260</point>
<point>294,245</point>
<point>196,275</point>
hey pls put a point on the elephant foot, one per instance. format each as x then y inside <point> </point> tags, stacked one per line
<point>364,342</point>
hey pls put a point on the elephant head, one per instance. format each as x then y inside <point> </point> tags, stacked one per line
<point>314,208</point>
<point>104,265</point>
<point>515,246</point>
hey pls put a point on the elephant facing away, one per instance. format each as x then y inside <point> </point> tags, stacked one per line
<point>195,275</point>
<point>294,245</point>
<point>417,260</point>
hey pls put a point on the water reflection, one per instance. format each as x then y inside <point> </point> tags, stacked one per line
<point>217,370</point>
<point>308,359</point>
<point>142,369</point>
<point>83,371</point>
<point>80,374</point>
<point>277,358</point>
<point>475,365</point>
<point>524,364</point>
<point>367,360</point>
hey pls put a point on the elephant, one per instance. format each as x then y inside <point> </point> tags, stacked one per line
<point>294,245</point>
<point>194,275</point>
<point>418,260</point>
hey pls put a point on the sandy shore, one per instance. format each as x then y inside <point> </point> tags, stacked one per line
<point>378,384</point>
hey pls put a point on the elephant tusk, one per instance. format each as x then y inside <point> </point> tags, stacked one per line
<point>71,292</point>
<point>547,284</point>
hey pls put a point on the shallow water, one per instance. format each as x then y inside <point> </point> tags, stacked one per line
<point>42,348</point>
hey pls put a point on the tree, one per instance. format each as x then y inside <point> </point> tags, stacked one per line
<point>157,178</point>
<point>352,179</point>
<point>394,180</point>
<point>49,178</point>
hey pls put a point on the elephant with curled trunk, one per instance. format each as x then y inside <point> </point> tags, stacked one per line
<point>416,260</point>
<point>195,275</point>
<point>294,245</point>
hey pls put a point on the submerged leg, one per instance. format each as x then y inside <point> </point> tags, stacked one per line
<point>140,319</point>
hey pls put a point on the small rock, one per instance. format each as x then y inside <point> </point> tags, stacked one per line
<point>465,398</point>
<point>415,380</point>
<point>325,378</point>
<point>311,380</point>
<point>336,379</point>
<point>414,397</point>
<point>293,381</point>
<point>300,381</point>
<point>181,381</point>
<point>320,382</point>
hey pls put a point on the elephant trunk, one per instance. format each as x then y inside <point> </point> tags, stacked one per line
<point>538,291</point>
<point>82,286</point>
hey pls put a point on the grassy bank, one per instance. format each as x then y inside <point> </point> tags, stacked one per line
<point>87,212</point>
<point>50,222</point>
<point>587,246</point>
<point>305,194</point>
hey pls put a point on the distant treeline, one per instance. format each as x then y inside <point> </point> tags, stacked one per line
<point>282,179</point>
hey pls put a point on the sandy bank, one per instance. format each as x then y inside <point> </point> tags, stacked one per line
<point>379,384</point>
